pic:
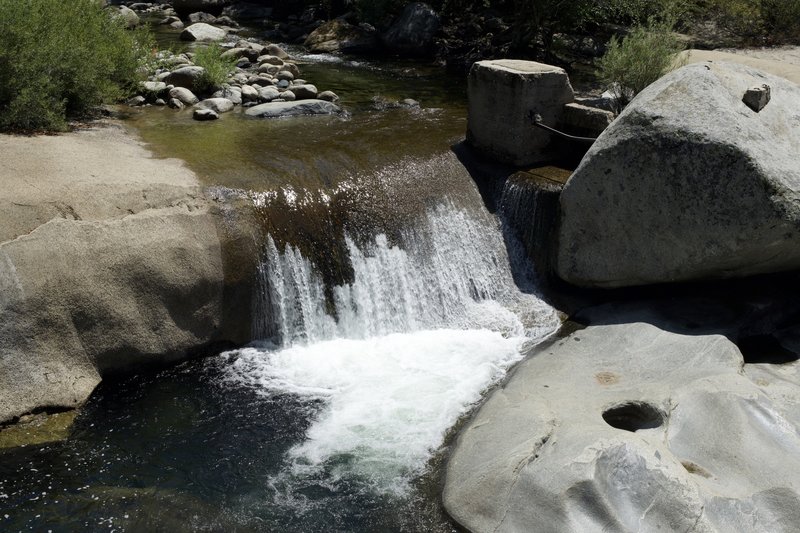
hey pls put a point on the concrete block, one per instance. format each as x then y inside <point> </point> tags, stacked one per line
<point>503,95</point>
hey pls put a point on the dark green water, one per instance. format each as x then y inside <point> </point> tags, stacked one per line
<point>182,451</point>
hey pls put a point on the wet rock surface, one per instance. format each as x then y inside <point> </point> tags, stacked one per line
<point>633,425</point>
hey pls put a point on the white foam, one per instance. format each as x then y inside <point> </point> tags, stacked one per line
<point>388,401</point>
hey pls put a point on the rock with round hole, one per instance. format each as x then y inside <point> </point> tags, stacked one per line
<point>628,426</point>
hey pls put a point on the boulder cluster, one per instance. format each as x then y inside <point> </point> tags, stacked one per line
<point>264,73</point>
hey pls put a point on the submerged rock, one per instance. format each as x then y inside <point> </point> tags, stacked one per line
<point>688,183</point>
<point>218,105</point>
<point>630,427</point>
<point>302,107</point>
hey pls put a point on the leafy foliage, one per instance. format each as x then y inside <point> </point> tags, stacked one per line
<point>217,68</point>
<point>767,21</point>
<point>61,59</point>
<point>631,64</point>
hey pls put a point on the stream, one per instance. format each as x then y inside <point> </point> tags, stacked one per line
<point>389,301</point>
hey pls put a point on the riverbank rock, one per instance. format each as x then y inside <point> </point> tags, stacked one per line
<point>218,105</point>
<point>688,183</point>
<point>286,109</point>
<point>203,32</point>
<point>504,96</point>
<point>414,30</point>
<point>339,36</point>
<point>186,77</point>
<point>625,427</point>
<point>109,259</point>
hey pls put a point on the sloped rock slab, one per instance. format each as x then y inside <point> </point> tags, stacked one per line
<point>629,427</point>
<point>289,109</point>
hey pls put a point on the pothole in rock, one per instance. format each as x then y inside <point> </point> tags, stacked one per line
<point>633,416</point>
<point>765,349</point>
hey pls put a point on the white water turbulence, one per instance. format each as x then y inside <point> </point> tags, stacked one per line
<point>426,325</point>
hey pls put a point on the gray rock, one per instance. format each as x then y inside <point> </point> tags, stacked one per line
<point>169,20</point>
<point>153,87</point>
<point>186,77</point>
<point>583,120</point>
<point>413,32</point>
<point>218,105</point>
<point>757,97</point>
<point>305,92</point>
<point>339,36</point>
<point>629,427</point>
<point>303,107</point>
<point>288,96</point>
<point>200,16</point>
<point>183,95</point>
<point>328,96</point>
<point>283,84</point>
<point>234,94</point>
<point>284,75</point>
<point>176,25</point>
<point>268,94</point>
<point>174,103</point>
<point>137,101</point>
<point>160,102</point>
<point>687,183</point>
<point>237,53</point>
<point>502,96</point>
<point>291,67</point>
<point>129,18</point>
<point>271,60</point>
<point>111,261</point>
<point>249,93</point>
<point>203,114</point>
<point>203,32</point>
<point>277,51</point>
<point>268,68</point>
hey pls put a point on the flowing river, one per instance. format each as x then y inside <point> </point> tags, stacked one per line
<point>389,300</point>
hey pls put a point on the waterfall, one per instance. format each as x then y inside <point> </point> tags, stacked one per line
<point>450,271</point>
<point>529,208</point>
<point>387,324</point>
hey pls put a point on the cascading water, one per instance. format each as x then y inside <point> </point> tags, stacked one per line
<point>389,360</point>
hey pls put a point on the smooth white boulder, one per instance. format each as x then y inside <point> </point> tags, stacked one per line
<point>626,427</point>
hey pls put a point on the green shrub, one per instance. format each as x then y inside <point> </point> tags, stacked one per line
<point>644,55</point>
<point>217,68</point>
<point>60,59</point>
<point>758,21</point>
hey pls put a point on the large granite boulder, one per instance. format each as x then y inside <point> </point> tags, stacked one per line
<point>413,31</point>
<point>627,426</point>
<point>504,97</point>
<point>200,31</point>
<point>109,259</point>
<point>688,183</point>
<point>288,109</point>
<point>338,35</point>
